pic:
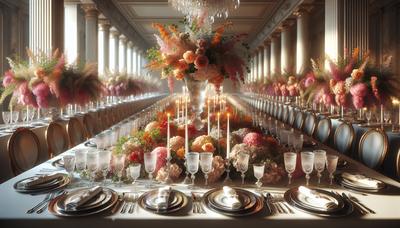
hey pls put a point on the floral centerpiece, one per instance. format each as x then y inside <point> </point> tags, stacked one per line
<point>50,82</point>
<point>126,85</point>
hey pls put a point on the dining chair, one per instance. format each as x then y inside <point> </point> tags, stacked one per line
<point>292,115</point>
<point>397,165</point>
<point>343,138</point>
<point>323,130</point>
<point>56,138</point>
<point>280,111</point>
<point>299,120</point>
<point>23,150</point>
<point>309,124</point>
<point>90,125</point>
<point>373,148</point>
<point>285,114</point>
<point>75,131</point>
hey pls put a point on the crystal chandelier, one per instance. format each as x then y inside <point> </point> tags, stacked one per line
<point>208,10</point>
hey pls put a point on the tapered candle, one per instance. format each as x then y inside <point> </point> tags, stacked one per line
<point>208,117</point>
<point>397,102</point>
<point>168,137</point>
<point>177,110</point>
<point>218,115</point>
<point>186,128</point>
<point>228,138</point>
<point>11,113</point>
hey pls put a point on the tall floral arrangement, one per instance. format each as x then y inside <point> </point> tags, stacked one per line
<point>203,56</point>
<point>50,82</point>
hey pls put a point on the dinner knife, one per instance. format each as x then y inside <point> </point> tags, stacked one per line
<point>267,199</point>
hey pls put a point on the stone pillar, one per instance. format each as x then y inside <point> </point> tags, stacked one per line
<point>266,52</point>
<point>256,65</point>
<point>139,62</point>
<point>74,32</point>
<point>129,60</point>
<point>91,16</point>
<point>114,50</point>
<point>46,29</point>
<point>287,49</point>
<point>134,60</point>
<point>261,63</point>
<point>302,42</point>
<point>122,54</point>
<point>275,55</point>
<point>104,46</point>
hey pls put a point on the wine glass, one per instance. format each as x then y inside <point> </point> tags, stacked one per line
<point>331,163</point>
<point>298,142</point>
<point>92,162</point>
<point>100,141</point>
<point>319,162</point>
<point>69,164</point>
<point>368,115</point>
<point>104,163</point>
<point>134,171</point>
<point>307,164</point>
<point>80,160</point>
<point>386,116</point>
<point>6,117</point>
<point>290,164</point>
<point>119,165</point>
<point>15,117</point>
<point>206,164</point>
<point>150,160</point>
<point>242,164</point>
<point>258,170</point>
<point>192,160</point>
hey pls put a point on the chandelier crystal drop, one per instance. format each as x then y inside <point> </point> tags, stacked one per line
<point>208,10</point>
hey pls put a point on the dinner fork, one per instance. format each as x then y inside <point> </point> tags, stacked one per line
<point>37,206</point>
<point>197,206</point>
<point>347,199</point>
<point>57,194</point>
<point>134,199</point>
<point>126,201</point>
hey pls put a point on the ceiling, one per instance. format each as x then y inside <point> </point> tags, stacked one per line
<point>250,18</point>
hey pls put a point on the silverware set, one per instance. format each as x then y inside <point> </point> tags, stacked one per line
<point>361,208</point>
<point>277,204</point>
<point>42,205</point>
<point>129,202</point>
<point>197,206</point>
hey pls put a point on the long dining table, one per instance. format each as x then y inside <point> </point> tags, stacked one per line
<point>386,206</point>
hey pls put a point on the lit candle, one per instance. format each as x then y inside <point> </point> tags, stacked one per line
<point>186,128</point>
<point>208,117</point>
<point>168,138</point>
<point>218,114</point>
<point>228,138</point>
<point>177,110</point>
<point>11,113</point>
<point>397,102</point>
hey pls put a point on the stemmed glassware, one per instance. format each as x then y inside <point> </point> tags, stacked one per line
<point>80,160</point>
<point>14,117</point>
<point>6,117</point>
<point>150,160</point>
<point>119,165</point>
<point>290,164</point>
<point>192,159</point>
<point>206,164</point>
<point>319,163</point>
<point>258,170</point>
<point>134,171</point>
<point>104,163</point>
<point>331,163</point>
<point>368,115</point>
<point>242,164</point>
<point>298,142</point>
<point>386,116</point>
<point>307,164</point>
<point>92,162</point>
<point>69,164</point>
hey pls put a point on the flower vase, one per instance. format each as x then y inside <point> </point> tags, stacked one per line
<point>197,92</point>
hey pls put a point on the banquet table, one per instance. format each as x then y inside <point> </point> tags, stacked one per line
<point>14,206</point>
<point>5,167</point>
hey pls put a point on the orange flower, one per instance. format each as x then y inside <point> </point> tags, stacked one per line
<point>181,65</point>
<point>178,74</point>
<point>201,62</point>
<point>40,73</point>
<point>161,29</point>
<point>189,56</point>
<point>218,33</point>
<point>208,147</point>
<point>180,153</point>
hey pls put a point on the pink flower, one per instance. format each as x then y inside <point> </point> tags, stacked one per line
<point>23,88</point>
<point>358,102</point>
<point>359,90</point>
<point>189,56</point>
<point>309,80</point>
<point>201,62</point>
<point>161,157</point>
<point>253,139</point>
<point>181,65</point>
<point>42,102</point>
<point>8,78</point>
<point>41,90</point>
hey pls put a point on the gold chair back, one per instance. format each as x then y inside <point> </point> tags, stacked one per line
<point>90,125</point>
<point>323,130</point>
<point>76,132</point>
<point>23,150</point>
<point>56,138</point>
<point>373,148</point>
<point>343,138</point>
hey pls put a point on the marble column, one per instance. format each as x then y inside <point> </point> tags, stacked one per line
<point>74,33</point>
<point>104,46</point>
<point>139,62</point>
<point>129,60</point>
<point>275,55</point>
<point>46,29</point>
<point>114,50</point>
<point>266,52</point>
<point>287,49</point>
<point>122,54</point>
<point>256,65</point>
<point>261,64</point>
<point>134,60</point>
<point>91,16</point>
<point>302,42</point>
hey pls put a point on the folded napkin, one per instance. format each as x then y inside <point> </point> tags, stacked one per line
<point>232,199</point>
<point>163,197</point>
<point>41,179</point>
<point>316,199</point>
<point>361,179</point>
<point>84,198</point>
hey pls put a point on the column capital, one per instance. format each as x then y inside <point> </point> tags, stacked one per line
<point>123,39</point>
<point>303,10</point>
<point>90,10</point>
<point>114,32</point>
<point>130,44</point>
<point>267,42</point>
<point>286,24</point>
<point>104,24</point>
